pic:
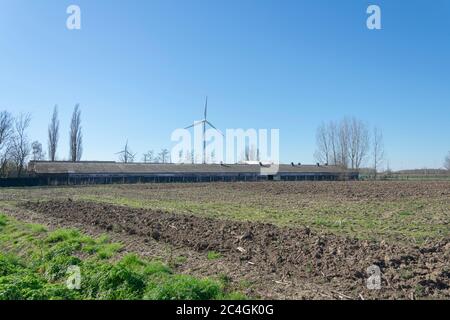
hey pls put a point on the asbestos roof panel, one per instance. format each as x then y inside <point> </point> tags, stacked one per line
<point>42,167</point>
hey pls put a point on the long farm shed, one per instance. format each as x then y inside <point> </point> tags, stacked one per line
<point>95,172</point>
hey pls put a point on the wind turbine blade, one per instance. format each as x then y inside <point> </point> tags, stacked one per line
<point>214,127</point>
<point>206,107</point>
<point>195,124</point>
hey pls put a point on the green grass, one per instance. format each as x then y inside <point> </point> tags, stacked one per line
<point>177,261</point>
<point>212,255</point>
<point>34,264</point>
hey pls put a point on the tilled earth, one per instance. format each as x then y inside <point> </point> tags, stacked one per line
<point>278,262</point>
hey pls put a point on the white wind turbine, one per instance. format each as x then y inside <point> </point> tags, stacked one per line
<point>204,122</point>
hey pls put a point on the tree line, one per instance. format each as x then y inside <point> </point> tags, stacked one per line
<point>75,136</point>
<point>16,148</point>
<point>349,143</point>
<point>127,156</point>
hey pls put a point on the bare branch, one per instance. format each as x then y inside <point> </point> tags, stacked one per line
<point>20,146</point>
<point>345,144</point>
<point>164,156</point>
<point>378,150</point>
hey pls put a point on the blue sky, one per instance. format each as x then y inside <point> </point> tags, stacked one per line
<point>141,69</point>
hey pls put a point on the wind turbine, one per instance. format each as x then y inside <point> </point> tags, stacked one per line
<point>126,154</point>
<point>204,122</point>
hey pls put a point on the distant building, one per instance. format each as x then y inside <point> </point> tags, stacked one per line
<point>96,172</point>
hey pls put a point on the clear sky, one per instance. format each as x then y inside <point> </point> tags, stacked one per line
<point>141,69</point>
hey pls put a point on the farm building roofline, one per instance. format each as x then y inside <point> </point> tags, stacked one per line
<point>110,167</point>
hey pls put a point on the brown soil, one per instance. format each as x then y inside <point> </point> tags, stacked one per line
<point>251,191</point>
<point>278,262</point>
<point>337,190</point>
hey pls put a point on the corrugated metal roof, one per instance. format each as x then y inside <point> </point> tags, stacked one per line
<point>42,167</point>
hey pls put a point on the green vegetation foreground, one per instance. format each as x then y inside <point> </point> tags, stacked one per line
<point>34,265</point>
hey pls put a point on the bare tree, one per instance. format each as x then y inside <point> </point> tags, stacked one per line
<point>345,144</point>
<point>358,142</point>
<point>250,153</point>
<point>327,138</point>
<point>378,150</point>
<point>323,144</point>
<point>189,157</point>
<point>126,155</point>
<point>164,156</point>
<point>246,156</point>
<point>6,130</point>
<point>37,151</point>
<point>53,135</point>
<point>127,158</point>
<point>333,142</point>
<point>6,125</point>
<point>180,156</point>
<point>447,162</point>
<point>20,146</point>
<point>76,137</point>
<point>149,156</point>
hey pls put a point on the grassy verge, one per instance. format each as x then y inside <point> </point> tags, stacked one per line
<point>36,264</point>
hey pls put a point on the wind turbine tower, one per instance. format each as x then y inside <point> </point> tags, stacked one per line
<point>204,123</point>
